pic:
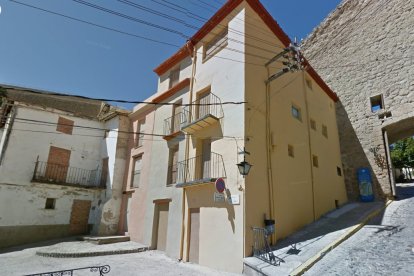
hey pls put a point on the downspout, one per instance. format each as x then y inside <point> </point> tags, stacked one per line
<point>389,164</point>
<point>268,153</point>
<point>8,128</point>
<point>193,53</point>
<point>305,96</point>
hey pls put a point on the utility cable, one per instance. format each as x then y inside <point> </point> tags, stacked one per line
<point>46,123</point>
<point>127,101</point>
<point>170,30</point>
<point>126,33</point>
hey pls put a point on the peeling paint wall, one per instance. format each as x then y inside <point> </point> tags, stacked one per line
<point>23,202</point>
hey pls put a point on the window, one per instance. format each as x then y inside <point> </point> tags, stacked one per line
<point>174,77</point>
<point>172,165</point>
<point>64,125</point>
<point>296,113</point>
<point>140,131</point>
<point>136,175</point>
<point>291,151</point>
<point>325,131</point>
<point>315,161</point>
<point>312,124</point>
<point>339,171</point>
<point>377,103</point>
<point>50,203</point>
<point>216,44</point>
<point>309,84</point>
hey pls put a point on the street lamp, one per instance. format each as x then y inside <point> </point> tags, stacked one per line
<point>244,166</point>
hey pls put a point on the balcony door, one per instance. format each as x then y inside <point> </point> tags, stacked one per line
<point>203,107</point>
<point>206,158</point>
<point>176,117</point>
<point>57,164</point>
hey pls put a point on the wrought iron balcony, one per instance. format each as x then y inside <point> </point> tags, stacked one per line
<point>203,112</point>
<point>172,125</point>
<point>200,169</point>
<point>45,172</point>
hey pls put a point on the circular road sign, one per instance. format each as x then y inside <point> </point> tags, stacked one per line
<point>220,185</point>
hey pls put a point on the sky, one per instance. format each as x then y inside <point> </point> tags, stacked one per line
<point>45,51</point>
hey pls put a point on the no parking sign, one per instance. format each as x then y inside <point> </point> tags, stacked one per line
<point>220,185</point>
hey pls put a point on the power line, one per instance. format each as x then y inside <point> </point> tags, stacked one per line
<point>127,101</point>
<point>46,123</point>
<point>190,14</point>
<point>341,29</point>
<point>126,33</point>
<point>175,19</point>
<point>170,30</point>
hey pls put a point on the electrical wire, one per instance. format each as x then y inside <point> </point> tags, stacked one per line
<point>163,15</point>
<point>46,123</point>
<point>126,33</point>
<point>170,30</point>
<point>188,13</point>
<point>127,101</point>
<point>341,29</point>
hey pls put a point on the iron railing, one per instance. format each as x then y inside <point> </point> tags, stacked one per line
<point>60,174</point>
<point>261,247</point>
<point>102,270</point>
<point>204,106</point>
<point>173,124</point>
<point>203,168</point>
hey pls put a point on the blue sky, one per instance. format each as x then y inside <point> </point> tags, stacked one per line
<point>49,52</point>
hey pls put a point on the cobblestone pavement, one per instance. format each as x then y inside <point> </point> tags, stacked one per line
<point>22,262</point>
<point>385,246</point>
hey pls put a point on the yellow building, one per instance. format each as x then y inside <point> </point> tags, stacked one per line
<point>220,103</point>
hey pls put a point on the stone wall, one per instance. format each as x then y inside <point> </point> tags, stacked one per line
<point>363,49</point>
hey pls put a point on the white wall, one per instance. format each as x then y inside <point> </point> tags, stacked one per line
<point>23,202</point>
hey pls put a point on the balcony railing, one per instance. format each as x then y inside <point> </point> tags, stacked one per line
<point>200,169</point>
<point>203,112</point>
<point>173,124</point>
<point>60,174</point>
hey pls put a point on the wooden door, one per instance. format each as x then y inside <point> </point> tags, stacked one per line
<point>193,254</point>
<point>162,227</point>
<point>79,217</point>
<point>57,164</point>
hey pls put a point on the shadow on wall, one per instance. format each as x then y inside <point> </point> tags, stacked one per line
<point>354,157</point>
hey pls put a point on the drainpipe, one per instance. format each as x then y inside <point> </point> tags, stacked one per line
<point>7,131</point>
<point>389,164</point>
<point>193,52</point>
<point>305,95</point>
<point>268,153</point>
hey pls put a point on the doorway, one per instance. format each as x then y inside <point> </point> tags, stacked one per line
<point>79,217</point>
<point>194,241</point>
<point>162,210</point>
<point>57,164</point>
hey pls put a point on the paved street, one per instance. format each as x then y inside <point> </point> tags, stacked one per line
<point>385,246</point>
<point>25,261</point>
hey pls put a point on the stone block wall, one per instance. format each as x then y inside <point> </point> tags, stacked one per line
<point>363,49</point>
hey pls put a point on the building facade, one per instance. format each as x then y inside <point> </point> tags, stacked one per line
<point>213,101</point>
<point>62,162</point>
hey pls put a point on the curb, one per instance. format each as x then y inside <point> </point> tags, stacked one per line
<point>313,260</point>
<point>90,254</point>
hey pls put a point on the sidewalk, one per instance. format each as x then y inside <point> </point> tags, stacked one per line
<point>305,247</point>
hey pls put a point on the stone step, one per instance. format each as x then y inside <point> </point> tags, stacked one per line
<point>105,239</point>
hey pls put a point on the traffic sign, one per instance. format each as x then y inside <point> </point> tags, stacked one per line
<point>220,185</point>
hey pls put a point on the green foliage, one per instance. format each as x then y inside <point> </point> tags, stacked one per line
<point>402,153</point>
